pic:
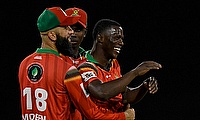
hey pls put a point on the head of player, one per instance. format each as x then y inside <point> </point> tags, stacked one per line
<point>108,39</point>
<point>101,73</point>
<point>44,75</point>
<point>55,30</point>
<point>80,28</point>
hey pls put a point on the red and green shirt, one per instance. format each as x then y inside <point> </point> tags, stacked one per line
<point>49,86</point>
<point>91,70</point>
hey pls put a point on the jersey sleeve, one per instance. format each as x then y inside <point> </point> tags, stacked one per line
<point>82,101</point>
<point>88,73</point>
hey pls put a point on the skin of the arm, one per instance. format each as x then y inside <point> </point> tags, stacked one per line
<point>84,104</point>
<point>107,90</point>
<point>134,95</point>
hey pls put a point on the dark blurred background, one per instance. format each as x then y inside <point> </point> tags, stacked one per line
<point>164,31</point>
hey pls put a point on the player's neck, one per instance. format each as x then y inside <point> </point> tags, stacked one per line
<point>47,46</point>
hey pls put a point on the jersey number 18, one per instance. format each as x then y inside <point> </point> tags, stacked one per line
<point>40,97</point>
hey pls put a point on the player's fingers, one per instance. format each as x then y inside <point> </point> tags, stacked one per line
<point>128,106</point>
<point>152,81</point>
<point>152,84</point>
<point>153,65</point>
<point>130,114</point>
<point>153,90</point>
<point>133,113</point>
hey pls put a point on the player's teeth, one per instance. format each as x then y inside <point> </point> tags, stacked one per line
<point>116,48</point>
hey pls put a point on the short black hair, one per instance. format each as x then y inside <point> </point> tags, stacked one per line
<point>102,25</point>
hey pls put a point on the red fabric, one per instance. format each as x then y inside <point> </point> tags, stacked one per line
<point>51,95</point>
<point>114,104</point>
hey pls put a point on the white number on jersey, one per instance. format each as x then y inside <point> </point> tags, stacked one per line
<point>40,95</point>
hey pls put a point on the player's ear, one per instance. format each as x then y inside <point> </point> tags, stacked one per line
<point>99,38</point>
<point>52,35</point>
<point>85,32</point>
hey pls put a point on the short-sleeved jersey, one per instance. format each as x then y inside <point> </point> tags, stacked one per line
<point>75,114</point>
<point>49,86</point>
<point>91,70</point>
<point>76,61</point>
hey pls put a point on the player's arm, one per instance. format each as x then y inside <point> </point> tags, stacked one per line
<point>107,90</point>
<point>84,104</point>
<point>134,95</point>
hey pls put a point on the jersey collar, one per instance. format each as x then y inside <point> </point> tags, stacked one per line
<point>44,50</point>
<point>81,50</point>
<point>89,57</point>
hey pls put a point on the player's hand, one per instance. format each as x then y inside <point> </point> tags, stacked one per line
<point>130,114</point>
<point>151,84</point>
<point>128,106</point>
<point>145,66</point>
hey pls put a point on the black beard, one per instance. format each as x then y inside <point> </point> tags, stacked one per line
<point>64,46</point>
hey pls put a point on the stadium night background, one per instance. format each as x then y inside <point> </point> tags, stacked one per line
<point>164,31</point>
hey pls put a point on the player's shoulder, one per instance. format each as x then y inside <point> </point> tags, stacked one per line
<point>88,65</point>
<point>72,72</point>
<point>32,55</point>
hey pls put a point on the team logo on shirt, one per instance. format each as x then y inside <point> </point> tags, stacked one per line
<point>87,75</point>
<point>35,72</point>
<point>75,13</point>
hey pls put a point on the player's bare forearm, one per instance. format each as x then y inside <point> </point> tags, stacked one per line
<point>107,90</point>
<point>134,95</point>
<point>119,85</point>
<point>86,106</point>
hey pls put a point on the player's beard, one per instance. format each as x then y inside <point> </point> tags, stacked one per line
<point>64,46</point>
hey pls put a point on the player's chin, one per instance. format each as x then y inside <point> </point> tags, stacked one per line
<point>115,55</point>
<point>74,45</point>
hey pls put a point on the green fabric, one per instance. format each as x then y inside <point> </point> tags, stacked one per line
<point>42,50</point>
<point>89,57</point>
<point>47,20</point>
<point>81,50</point>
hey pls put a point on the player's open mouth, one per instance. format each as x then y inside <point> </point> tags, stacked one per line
<point>117,49</point>
<point>73,42</point>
